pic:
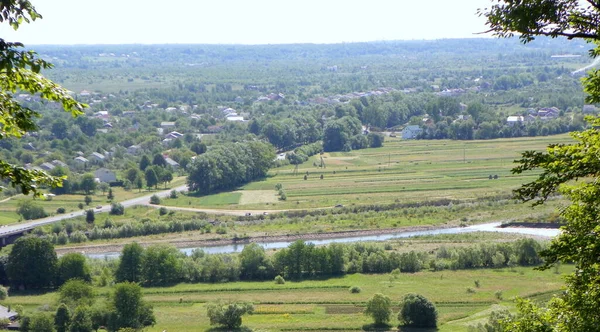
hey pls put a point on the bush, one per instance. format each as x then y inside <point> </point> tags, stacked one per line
<point>60,210</point>
<point>380,308</point>
<point>174,194</point>
<point>162,211</point>
<point>31,210</point>
<point>117,209</point>
<point>417,311</point>
<point>154,199</point>
<point>229,315</point>
<point>498,294</point>
<point>90,216</point>
<point>3,293</point>
<point>355,290</point>
<point>279,280</point>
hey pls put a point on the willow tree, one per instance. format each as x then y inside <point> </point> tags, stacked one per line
<point>20,72</point>
<point>572,170</point>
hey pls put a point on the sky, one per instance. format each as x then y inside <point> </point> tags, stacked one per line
<point>247,21</point>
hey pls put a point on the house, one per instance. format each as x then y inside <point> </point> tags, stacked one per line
<point>172,163</point>
<point>229,111</point>
<point>134,149</point>
<point>174,134</point>
<point>548,113</point>
<point>47,166</point>
<point>167,124</point>
<point>589,109</point>
<point>105,175</point>
<point>81,160</point>
<point>7,313</point>
<point>95,156</point>
<point>514,119</point>
<point>411,132</point>
<point>59,163</point>
<point>235,118</point>
<point>128,114</point>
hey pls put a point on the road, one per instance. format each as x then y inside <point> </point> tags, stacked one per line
<point>23,226</point>
<point>143,200</point>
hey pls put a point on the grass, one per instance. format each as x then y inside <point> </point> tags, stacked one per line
<point>327,304</point>
<point>401,171</point>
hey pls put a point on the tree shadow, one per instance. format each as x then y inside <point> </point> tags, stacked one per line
<point>224,329</point>
<point>376,327</point>
<point>417,329</point>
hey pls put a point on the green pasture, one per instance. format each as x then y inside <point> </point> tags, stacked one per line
<point>401,171</point>
<point>327,304</point>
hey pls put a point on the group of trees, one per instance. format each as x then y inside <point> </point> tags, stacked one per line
<point>229,165</point>
<point>415,311</point>
<point>160,265</point>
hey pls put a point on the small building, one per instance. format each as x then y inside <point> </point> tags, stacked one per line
<point>105,175</point>
<point>514,119</point>
<point>59,163</point>
<point>134,149</point>
<point>47,166</point>
<point>411,132</point>
<point>81,160</point>
<point>172,163</point>
<point>167,124</point>
<point>95,156</point>
<point>235,118</point>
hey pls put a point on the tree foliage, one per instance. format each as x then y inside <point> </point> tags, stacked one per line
<point>128,309</point>
<point>20,72</point>
<point>229,315</point>
<point>32,263</point>
<point>379,307</point>
<point>73,266</point>
<point>570,169</point>
<point>229,165</point>
<point>417,311</point>
<point>130,263</point>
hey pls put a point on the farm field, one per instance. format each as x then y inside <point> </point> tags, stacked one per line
<point>401,171</point>
<point>327,304</point>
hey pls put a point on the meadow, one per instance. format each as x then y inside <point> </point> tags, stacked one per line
<point>403,171</point>
<point>319,305</point>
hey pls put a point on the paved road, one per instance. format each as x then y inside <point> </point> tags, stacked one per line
<point>143,200</point>
<point>23,226</point>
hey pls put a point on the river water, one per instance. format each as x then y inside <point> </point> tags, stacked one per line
<point>489,227</point>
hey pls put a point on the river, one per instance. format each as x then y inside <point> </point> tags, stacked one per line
<point>488,227</point>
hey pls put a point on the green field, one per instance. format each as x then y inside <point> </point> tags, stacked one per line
<point>322,305</point>
<point>401,171</point>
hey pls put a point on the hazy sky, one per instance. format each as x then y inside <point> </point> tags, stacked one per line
<point>247,21</point>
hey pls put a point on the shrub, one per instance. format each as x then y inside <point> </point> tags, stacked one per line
<point>60,210</point>
<point>174,194</point>
<point>355,290</point>
<point>162,211</point>
<point>154,199</point>
<point>279,280</point>
<point>477,284</point>
<point>470,290</point>
<point>379,308</point>
<point>229,315</point>
<point>498,294</point>
<point>117,209</point>
<point>90,216</point>
<point>417,311</point>
<point>3,293</point>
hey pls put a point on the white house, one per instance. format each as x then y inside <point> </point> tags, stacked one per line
<point>105,175</point>
<point>411,132</point>
<point>514,119</point>
<point>167,124</point>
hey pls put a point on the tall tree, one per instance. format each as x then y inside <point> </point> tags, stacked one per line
<point>32,263</point>
<point>130,263</point>
<point>151,177</point>
<point>128,309</point>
